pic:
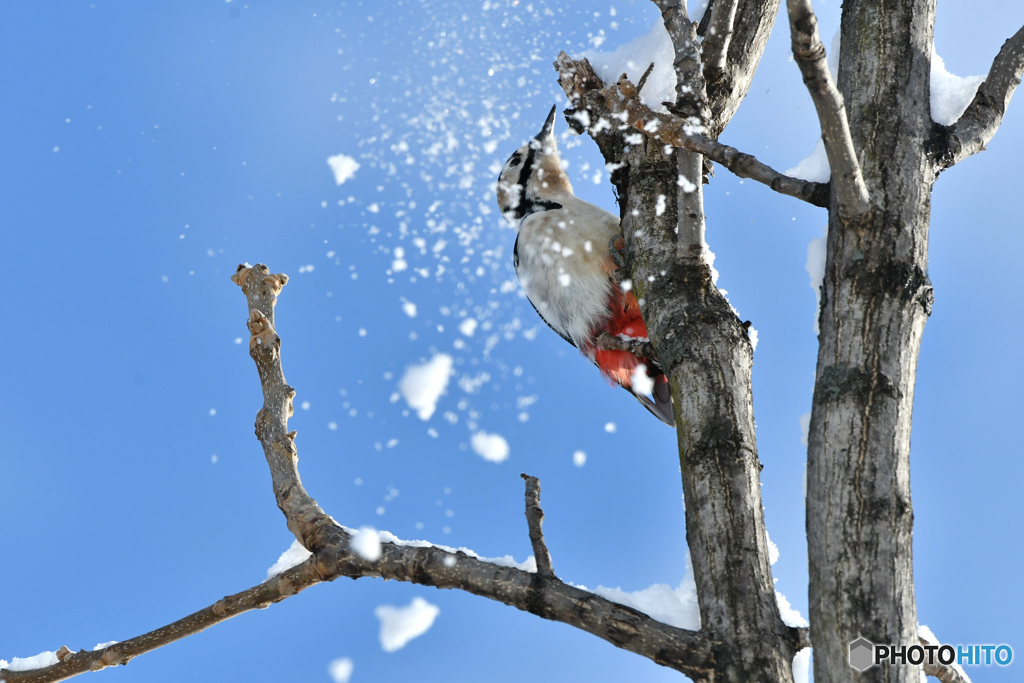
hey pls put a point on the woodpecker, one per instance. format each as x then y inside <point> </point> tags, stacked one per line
<point>563,260</point>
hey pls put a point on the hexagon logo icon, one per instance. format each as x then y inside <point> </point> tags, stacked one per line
<point>861,651</point>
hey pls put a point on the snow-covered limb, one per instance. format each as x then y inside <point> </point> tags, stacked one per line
<point>847,179</point>
<point>535,520</point>
<point>981,120</point>
<point>585,87</point>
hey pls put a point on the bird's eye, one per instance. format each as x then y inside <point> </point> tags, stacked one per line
<point>514,161</point>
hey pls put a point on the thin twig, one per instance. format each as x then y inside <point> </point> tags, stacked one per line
<point>274,589</point>
<point>534,519</point>
<point>847,179</point>
<point>643,79</point>
<point>980,121</point>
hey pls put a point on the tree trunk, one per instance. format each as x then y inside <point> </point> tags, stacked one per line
<point>876,297</point>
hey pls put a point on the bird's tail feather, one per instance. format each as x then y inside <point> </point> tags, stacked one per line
<point>661,406</point>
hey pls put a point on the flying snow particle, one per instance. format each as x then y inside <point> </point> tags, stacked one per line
<point>640,381</point>
<point>340,670</point>
<point>579,458</point>
<point>422,385</point>
<point>409,308</point>
<point>344,167</point>
<point>366,543</point>
<point>399,625</point>
<point>468,327</point>
<point>490,447</point>
<point>610,427</point>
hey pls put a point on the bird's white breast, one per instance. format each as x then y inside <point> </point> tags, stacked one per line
<point>564,265</point>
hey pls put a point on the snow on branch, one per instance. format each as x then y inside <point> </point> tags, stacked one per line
<point>979,123</point>
<point>851,191</point>
<point>621,104</point>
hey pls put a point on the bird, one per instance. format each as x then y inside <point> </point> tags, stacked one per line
<point>562,257</point>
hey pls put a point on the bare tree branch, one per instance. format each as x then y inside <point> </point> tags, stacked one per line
<point>980,121</point>
<point>274,589</point>
<point>690,652</point>
<point>621,103</point>
<point>943,672</point>
<point>718,34</point>
<point>726,87</point>
<point>534,519</point>
<point>691,97</point>
<point>851,191</point>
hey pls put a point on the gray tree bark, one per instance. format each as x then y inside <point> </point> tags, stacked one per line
<point>876,297</point>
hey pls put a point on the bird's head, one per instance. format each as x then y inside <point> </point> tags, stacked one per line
<point>532,179</point>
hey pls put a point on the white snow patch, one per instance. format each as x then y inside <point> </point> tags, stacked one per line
<point>579,458</point>
<point>790,617</point>
<point>805,428</point>
<point>752,333</point>
<point>43,659</point>
<point>344,167</point>
<point>816,253</point>
<point>773,550</point>
<point>340,670</point>
<point>950,94</point>
<point>422,385</point>
<point>634,57</point>
<point>659,207</point>
<point>103,646</point>
<point>675,607</point>
<point>640,382</point>
<point>814,167</point>
<point>295,555</point>
<point>399,625</point>
<point>366,543</point>
<point>468,326</point>
<point>802,666</point>
<point>490,447</point>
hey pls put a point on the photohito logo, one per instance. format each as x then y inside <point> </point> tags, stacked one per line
<point>864,654</point>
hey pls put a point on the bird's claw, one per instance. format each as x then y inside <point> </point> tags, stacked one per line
<point>617,252</point>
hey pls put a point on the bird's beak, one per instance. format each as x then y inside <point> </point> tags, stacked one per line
<point>549,124</point>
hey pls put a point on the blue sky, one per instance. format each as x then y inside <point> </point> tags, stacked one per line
<point>148,148</point>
